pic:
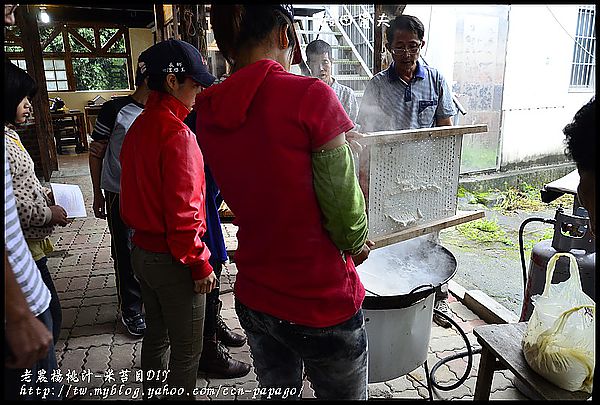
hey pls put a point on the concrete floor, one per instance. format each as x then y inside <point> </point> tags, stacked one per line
<point>495,268</point>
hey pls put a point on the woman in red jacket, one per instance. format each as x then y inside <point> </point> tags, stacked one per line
<point>162,200</point>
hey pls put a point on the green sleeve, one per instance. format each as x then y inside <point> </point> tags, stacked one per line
<point>340,198</point>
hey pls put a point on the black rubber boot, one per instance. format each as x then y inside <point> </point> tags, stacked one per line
<point>217,361</point>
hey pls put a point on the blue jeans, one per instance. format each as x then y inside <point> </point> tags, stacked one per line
<point>14,386</point>
<point>335,357</point>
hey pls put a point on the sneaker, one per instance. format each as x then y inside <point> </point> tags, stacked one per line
<point>227,336</point>
<point>217,362</point>
<point>442,306</point>
<point>135,325</point>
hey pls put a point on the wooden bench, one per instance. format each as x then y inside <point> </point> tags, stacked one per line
<point>501,350</point>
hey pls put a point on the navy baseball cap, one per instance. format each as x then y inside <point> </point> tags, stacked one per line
<point>175,56</point>
<point>288,10</point>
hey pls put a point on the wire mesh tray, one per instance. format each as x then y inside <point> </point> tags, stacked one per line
<point>410,177</point>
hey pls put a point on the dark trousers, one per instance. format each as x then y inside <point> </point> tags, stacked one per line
<point>213,304</point>
<point>335,357</point>
<point>128,287</point>
<point>17,389</point>
<point>55,309</point>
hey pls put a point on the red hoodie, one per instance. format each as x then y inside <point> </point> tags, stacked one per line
<point>162,184</point>
<point>268,121</point>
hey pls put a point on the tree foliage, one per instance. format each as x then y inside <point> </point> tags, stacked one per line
<point>100,73</point>
<point>93,73</point>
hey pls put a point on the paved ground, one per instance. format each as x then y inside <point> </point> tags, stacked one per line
<point>495,267</point>
<point>93,341</point>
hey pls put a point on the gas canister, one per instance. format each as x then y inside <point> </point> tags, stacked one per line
<point>571,234</point>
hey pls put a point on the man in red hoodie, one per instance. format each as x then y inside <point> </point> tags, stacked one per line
<point>162,200</point>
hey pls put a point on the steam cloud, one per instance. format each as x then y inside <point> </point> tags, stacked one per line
<point>399,268</point>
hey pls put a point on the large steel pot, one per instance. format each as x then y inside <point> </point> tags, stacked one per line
<point>400,280</point>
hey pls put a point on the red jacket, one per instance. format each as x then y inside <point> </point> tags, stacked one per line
<point>162,184</point>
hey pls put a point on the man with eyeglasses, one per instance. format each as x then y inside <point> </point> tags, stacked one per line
<point>408,95</point>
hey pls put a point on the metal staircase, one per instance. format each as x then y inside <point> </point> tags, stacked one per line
<point>349,30</point>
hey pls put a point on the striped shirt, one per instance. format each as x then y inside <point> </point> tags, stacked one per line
<point>389,103</point>
<point>112,124</point>
<point>348,99</point>
<point>26,272</point>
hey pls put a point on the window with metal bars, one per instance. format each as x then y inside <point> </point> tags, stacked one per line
<point>584,52</point>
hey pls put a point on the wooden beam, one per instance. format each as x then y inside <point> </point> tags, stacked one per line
<point>432,226</point>
<point>97,39</point>
<point>68,60</point>
<point>175,21</point>
<point>159,22</point>
<point>376,138</point>
<point>73,31</point>
<point>54,34</point>
<point>189,30</point>
<point>202,26</point>
<point>27,21</point>
<point>378,43</point>
<point>117,35</point>
<point>130,69</point>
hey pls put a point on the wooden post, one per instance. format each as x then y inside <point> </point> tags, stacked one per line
<point>175,21</point>
<point>378,43</point>
<point>202,26</point>
<point>193,26</point>
<point>27,22</point>
<point>159,22</point>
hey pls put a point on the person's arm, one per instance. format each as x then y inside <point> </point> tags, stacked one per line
<point>339,195</point>
<point>182,168</point>
<point>445,109</point>
<point>336,186</point>
<point>26,336</point>
<point>441,122</point>
<point>36,213</point>
<point>97,151</point>
<point>103,127</point>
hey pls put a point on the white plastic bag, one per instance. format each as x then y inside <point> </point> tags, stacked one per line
<point>559,342</point>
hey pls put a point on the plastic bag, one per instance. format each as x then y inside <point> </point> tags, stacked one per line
<point>559,342</point>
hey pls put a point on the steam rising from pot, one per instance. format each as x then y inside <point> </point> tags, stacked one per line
<point>399,268</point>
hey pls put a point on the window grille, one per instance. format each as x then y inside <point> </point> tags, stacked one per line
<point>584,52</point>
<point>20,63</point>
<point>56,74</point>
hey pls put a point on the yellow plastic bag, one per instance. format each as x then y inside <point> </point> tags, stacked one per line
<point>559,342</point>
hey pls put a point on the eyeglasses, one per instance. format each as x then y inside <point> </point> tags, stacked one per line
<point>412,49</point>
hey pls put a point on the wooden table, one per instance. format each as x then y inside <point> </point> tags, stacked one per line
<point>78,120</point>
<point>500,350</point>
<point>91,113</point>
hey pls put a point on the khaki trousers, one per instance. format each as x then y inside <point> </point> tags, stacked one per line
<point>174,318</point>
